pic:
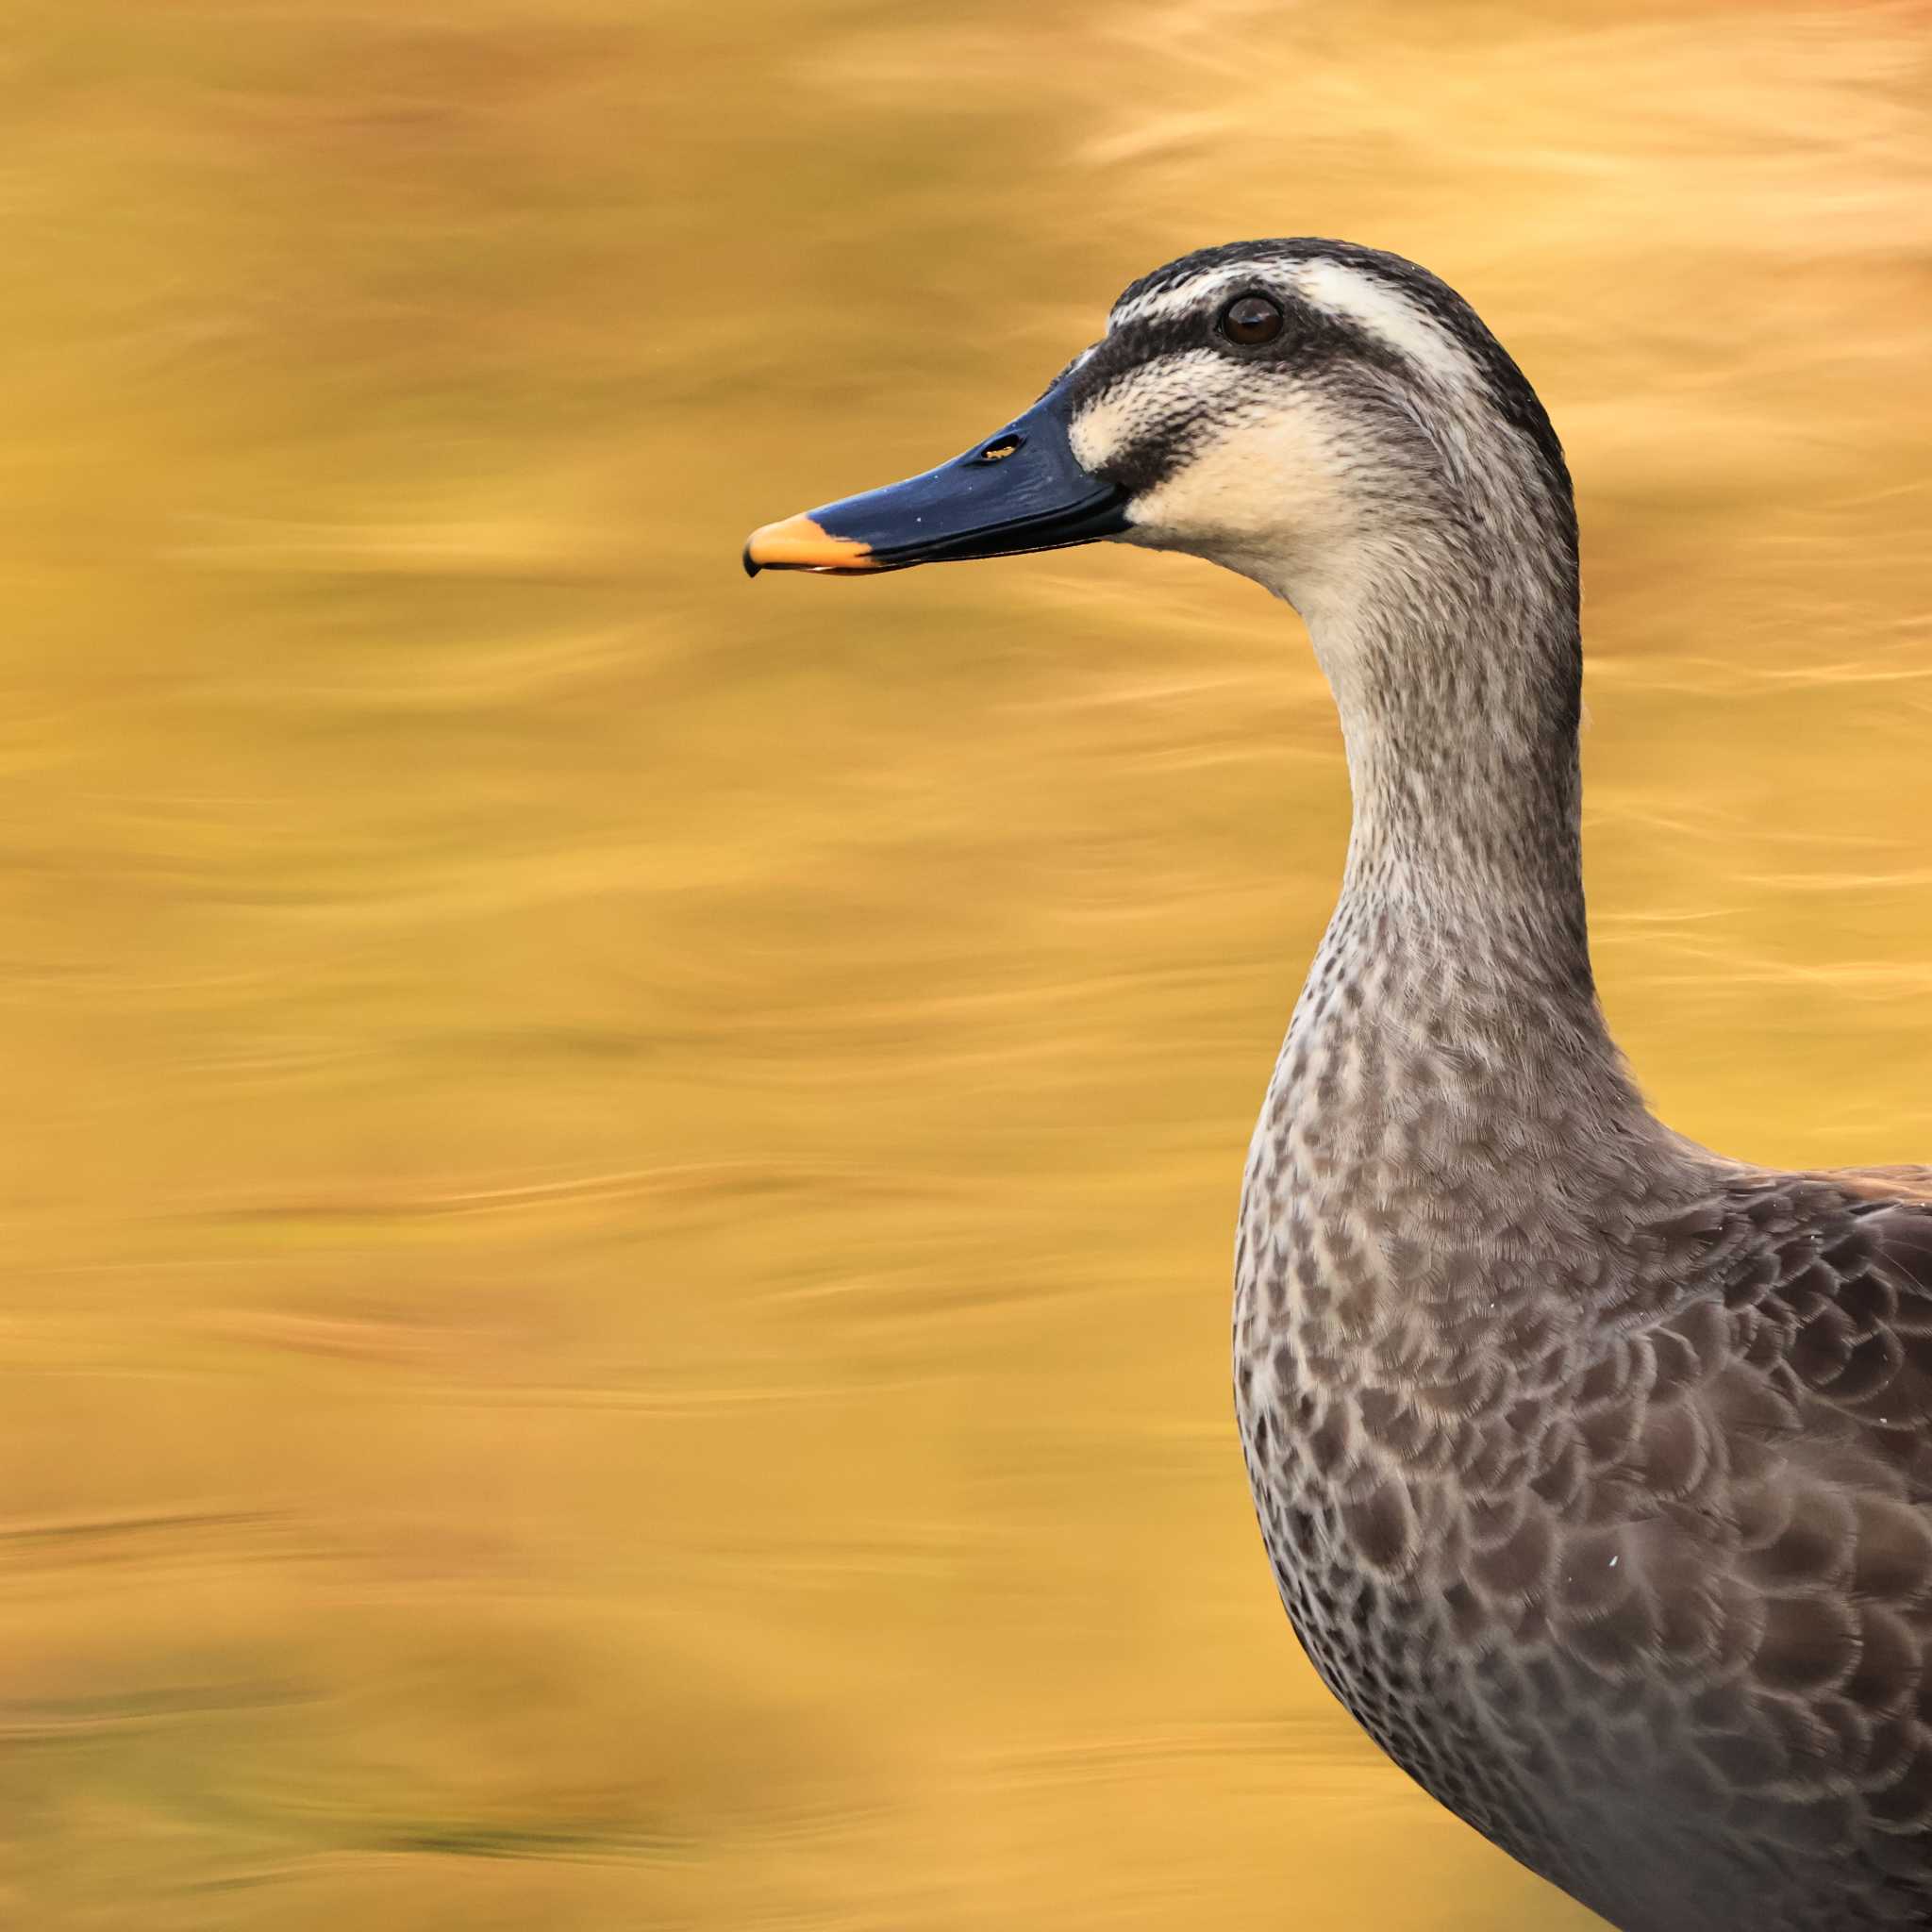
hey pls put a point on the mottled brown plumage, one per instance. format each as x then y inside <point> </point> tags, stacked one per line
<point>1595,1468</point>
<point>1607,1515</point>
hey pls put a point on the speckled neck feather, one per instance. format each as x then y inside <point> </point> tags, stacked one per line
<point>1448,1047</point>
<point>1460,710</point>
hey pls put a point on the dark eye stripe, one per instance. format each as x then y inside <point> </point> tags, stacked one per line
<point>1308,339</point>
<point>1308,342</point>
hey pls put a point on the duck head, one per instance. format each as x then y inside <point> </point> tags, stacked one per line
<point>1328,420</point>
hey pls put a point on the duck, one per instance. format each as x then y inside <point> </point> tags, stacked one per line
<point>1594,1468</point>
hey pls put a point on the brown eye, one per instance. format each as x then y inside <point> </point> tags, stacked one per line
<point>1250,320</point>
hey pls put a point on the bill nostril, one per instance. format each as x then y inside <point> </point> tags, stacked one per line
<point>1000,448</point>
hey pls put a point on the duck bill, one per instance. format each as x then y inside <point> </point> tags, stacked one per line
<point>1022,490</point>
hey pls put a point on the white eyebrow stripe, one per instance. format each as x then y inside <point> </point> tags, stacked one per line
<point>1178,300</point>
<point>1372,304</point>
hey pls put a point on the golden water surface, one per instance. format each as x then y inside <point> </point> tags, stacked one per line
<point>618,1183</point>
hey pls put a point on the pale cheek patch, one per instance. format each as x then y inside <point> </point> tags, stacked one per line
<point>1275,474</point>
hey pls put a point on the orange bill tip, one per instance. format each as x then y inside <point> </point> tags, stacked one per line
<point>798,543</point>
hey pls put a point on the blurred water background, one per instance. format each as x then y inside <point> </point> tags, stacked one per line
<point>618,1183</point>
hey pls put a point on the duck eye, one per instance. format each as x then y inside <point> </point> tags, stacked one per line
<point>1251,319</point>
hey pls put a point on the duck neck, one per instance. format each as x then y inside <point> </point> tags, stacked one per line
<point>1460,727</point>
<point>1462,900</point>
